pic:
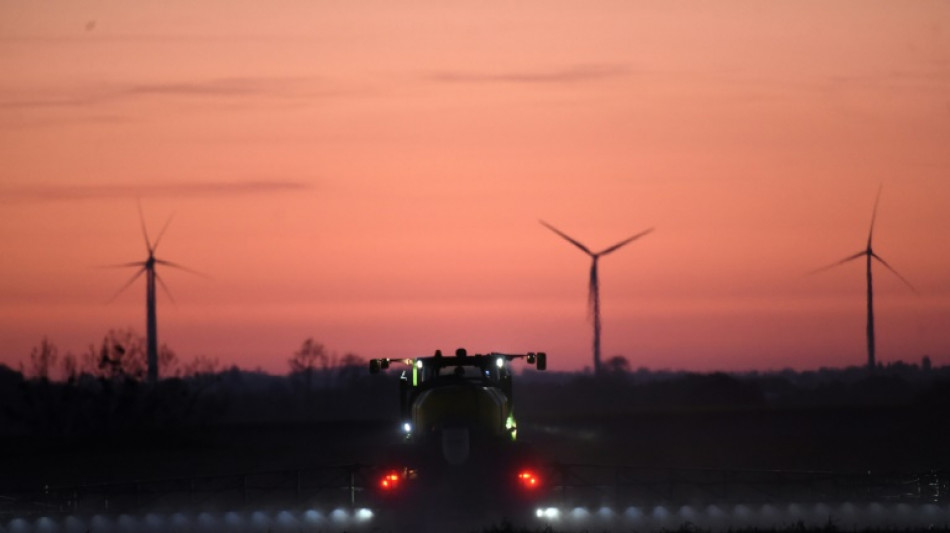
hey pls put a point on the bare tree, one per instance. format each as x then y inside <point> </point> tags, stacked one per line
<point>305,362</point>
<point>122,355</point>
<point>43,359</point>
<point>350,368</point>
<point>201,364</point>
<point>168,362</point>
<point>70,366</point>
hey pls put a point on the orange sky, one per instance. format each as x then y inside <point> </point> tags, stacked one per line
<point>372,176</point>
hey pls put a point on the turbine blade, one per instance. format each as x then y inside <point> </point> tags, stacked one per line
<point>148,243</point>
<point>123,265</point>
<point>862,253</point>
<point>627,241</point>
<point>874,214</point>
<point>159,238</point>
<point>176,265</point>
<point>126,285</point>
<point>165,288</point>
<point>889,267</point>
<point>568,239</point>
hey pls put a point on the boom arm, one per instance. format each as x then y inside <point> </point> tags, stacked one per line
<point>538,359</point>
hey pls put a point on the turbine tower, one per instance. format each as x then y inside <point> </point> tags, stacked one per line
<point>151,277</point>
<point>593,295</point>
<point>869,255</point>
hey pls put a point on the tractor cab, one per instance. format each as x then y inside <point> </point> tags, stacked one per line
<point>457,398</point>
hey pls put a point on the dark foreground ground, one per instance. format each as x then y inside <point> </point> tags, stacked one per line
<point>843,439</point>
<point>675,451</point>
<point>706,431</point>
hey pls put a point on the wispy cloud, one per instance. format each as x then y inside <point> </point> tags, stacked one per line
<point>39,100</point>
<point>77,97</point>
<point>93,36</point>
<point>221,87</point>
<point>938,76</point>
<point>573,74</point>
<point>44,193</point>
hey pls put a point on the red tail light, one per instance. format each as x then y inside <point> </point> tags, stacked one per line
<point>528,479</point>
<point>390,481</point>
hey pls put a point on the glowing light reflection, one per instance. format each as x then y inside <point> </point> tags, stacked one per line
<point>714,517</point>
<point>632,513</point>
<point>260,519</point>
<point>73,523</point>
<point>126,523</point>
<point>286,520</point>
<point>45,524</point>
<point>687,513</point>
<point>207,521</point>
<point>847,508</point>
<point>100,523</point>
<point>312,516</point>
<point>180,521</point>
<point>233,519</point>
<point>154,521</point>
<point>18,524</point>
<point>339,516</point>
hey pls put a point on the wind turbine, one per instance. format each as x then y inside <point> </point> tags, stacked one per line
<point>868,254</point>
<point>593,295</point>
<point>151,277</point>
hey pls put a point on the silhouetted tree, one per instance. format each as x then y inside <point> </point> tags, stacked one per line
<point>304,363</point>
<point>350,368</point>
<point>43,359</point>
<point>122,356</point>
<point>201,365</point>
<point>70,368</point>
<point>617,364</point>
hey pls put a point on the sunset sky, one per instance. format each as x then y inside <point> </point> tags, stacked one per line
<point>372,175</point>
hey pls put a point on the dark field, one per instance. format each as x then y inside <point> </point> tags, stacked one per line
<point>855,440</point>
<point>842,438</point>
<point>659,437</point>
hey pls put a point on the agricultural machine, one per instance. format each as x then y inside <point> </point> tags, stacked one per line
<point>459,451</point>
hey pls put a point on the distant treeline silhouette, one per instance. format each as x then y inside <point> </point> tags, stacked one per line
<point>646,390</point>
<point>103,392</point>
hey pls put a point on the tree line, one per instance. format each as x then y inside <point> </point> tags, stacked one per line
<point>103,392</point>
